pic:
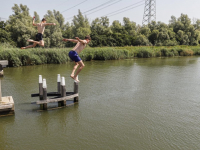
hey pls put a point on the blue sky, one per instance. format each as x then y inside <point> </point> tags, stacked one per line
<point>164,9</point>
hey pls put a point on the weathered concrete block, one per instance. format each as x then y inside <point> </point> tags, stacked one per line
<point>7,106</point>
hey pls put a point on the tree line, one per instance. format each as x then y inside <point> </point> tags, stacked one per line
<point>18,29</point>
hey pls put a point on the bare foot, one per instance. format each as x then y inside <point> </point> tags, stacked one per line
<point>22,47</point>
<point>75,79</point>
<point>72,76</point>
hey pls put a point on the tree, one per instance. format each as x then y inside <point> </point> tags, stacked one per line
<point>197,24</point>
<point>152,26</point>
<point>129,26</point>
<point>105,21</point>
<point>185,22</point>
<point>59,17</point>
<point>145,31</point>
<point>161,34</point>
<point>5,36</point>
<point>101,32</point>
<point>81,26</point>
<point>53,35</point>
<point>153,37</point>
<point>67,33</point>
<point>184,30</point>
<point>142,40</point>
<point>20,25</point>
<point>37,17</point>
<point>116,27</point>
<point>173,20</point>
<point>182,38</point>
<point>19,28</point>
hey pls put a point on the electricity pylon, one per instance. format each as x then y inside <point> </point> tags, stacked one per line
<point>149,11</point>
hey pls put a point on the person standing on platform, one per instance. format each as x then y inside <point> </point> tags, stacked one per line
<point>73,54</point>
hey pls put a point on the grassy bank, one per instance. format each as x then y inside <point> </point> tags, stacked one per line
<point>37,56</point>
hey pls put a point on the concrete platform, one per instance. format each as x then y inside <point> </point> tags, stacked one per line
<point>7,106</point>
<point>4,63</point>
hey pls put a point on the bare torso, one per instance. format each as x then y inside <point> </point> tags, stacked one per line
<point>79,46</point>
<point>41,27</point>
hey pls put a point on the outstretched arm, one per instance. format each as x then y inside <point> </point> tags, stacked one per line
<point>34,24</point>
<point>82,41</point>
<point>47,24</point>
<point>71,40</point>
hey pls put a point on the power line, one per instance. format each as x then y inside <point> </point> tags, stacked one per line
<point>113,13</point>
<point>125,10</point>
<point>104,7</point>
<point>124,7</point>
<point>95,8</point>
<point>99,6</point>
<point>73,6</point>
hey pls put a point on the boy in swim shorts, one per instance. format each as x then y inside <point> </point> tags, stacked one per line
<point>40,28</point>
<point>73,54</point>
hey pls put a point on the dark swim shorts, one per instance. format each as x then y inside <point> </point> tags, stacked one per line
<point>74,56</point>
<point>38,37</point>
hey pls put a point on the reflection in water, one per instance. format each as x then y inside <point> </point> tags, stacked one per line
<point>5,124</point>
<point>124,104</point>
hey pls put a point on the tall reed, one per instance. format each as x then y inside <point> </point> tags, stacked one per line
<point>37,56</point>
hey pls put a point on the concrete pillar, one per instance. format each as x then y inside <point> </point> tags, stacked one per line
<point>44,93</point>
<point>75,90</point>
<point>58,84</point>
<point>0,92</point>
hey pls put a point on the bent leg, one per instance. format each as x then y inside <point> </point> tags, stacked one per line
<point>74,69</point>
<point>79,69</point>
<point>41,43</point>
<point>29,46</point>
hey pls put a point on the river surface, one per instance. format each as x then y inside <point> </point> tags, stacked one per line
<point>137,104</point>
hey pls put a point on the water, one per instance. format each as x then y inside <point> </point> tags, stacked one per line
<point>140,104</point>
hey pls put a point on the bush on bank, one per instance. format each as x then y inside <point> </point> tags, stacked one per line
<point>37,56</point>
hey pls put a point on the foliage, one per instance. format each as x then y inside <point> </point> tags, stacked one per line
<point>5,36</point>
<point>20,25</point>
<point>19,28</point>
<point>81,26</point>
<point>37,56</point>
<point>53,34</point>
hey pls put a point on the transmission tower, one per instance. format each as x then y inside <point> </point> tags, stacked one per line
<point>149,11</point>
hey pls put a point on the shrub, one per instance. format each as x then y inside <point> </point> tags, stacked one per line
<point>143,53</point>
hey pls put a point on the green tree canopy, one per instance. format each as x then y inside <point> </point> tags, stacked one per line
<point>53,34</point>
<point>81,26</point>
<point>20,25</point>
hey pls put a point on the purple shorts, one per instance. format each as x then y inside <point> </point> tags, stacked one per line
<point>74,56</point>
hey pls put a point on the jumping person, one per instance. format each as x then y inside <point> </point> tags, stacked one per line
<point>40,28</point>
<point>73,54</point>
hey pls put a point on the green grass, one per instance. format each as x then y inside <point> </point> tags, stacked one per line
<point>37,56</point>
